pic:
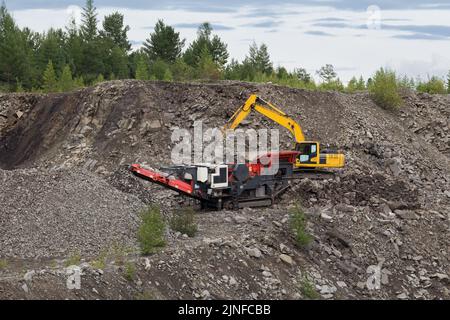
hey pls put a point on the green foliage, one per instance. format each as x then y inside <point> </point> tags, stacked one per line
<point>206,68</point>
<point>49,79</point>
<point>384,89</point>
<point>205,41</point>
<point>448,82</point>
<point>159,69</point>
<point>298,226</point>
<point>115,32</point>
<point>327,73</point>
<point>89,21</point>
<point>19,87</point>
<point>433,86</point>
<point>164,43</point>
<point>3,264</point>
<point>259,59</point>
<point>308,290</point>
<point>151,231</point>
<point>302,75</point>
<point>183,221</point>
<point>142,69</point>
<point>100,262</point>
<point>66,82</point>
<point>332,85</point>
<point>181,71</point>
<point>73,260</point>
<point>99,79</point>
<point>130,271</point>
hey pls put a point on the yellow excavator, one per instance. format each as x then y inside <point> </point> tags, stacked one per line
<point>310,154</point>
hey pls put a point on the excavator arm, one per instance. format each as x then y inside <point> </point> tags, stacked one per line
<point>270,111</point>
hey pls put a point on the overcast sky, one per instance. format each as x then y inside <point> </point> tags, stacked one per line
<point>357,37</point>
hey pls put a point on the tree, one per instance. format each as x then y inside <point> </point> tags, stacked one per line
<point>433,86</point>
<point>164,43</point>
<point>327,73</point>
<point>217,49</point>
<point>207,69</point>
<point>448,82</point>
<point>118,63</point>
<point>352,85</point>
<point>302,75</point>
<point>115,31</point>
<point>259,58</point>
<point>66,81</point>
<point>142,69</point>
<point>16,52</point>
<point>89,21</point>
<point>181,71</point>
<point>49,79</point>
<point>158,69</point>
<point>383,89</point>
<point>361,85</point>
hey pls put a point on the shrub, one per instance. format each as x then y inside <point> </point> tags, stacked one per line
<point>151,231</point>
<point>130,271</point>
<point>298,226</point>
<point>308,290</point>
<point>384,89</point>
<point>183,221</point>
<point>73,260</point>
<point>432,86</point>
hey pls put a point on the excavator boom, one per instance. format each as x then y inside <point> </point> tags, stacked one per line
<point>270,111</point>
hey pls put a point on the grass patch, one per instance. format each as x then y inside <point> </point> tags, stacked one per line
<point>308,290</point>
<point>130,271</point>
<point>73,260</point>
<point>151,232</point>
<point>183,220</point>
<point>298,226</point>
<point>3,264</point>
<point>100,262</point>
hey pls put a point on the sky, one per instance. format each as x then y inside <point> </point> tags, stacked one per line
<point>357,37</point>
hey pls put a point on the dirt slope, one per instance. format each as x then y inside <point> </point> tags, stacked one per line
<point>65,188</point>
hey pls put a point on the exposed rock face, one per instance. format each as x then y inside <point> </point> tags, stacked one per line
<point>385,215</point>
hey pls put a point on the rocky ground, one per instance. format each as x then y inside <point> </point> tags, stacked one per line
<point>66,198</point>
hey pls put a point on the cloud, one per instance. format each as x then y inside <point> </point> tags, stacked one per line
<point>318,33</point>
<point>263,24</point>
<point>231,5</point>
<point>196,25</point>
<point>418,36</point>
<point>424,32</point>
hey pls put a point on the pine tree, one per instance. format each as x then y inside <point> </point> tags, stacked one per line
<point>302,75</point>
<point>352,85</point>
<point>216,48</point>
<point>16,52</point>
<point>49,79</point>
<point>66,82</point>
<point>361,85</point>
<point>207,69</point>
<point>164,43</point>
<point>115,32</point>
<point>142,69</point>
<point>259,58</point>
<point>89,21</point>
<point>327,73</point>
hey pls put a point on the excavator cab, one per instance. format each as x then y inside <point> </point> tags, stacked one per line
<point>309,152</point>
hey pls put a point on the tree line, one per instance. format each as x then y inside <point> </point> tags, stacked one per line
<point>78,55</point>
